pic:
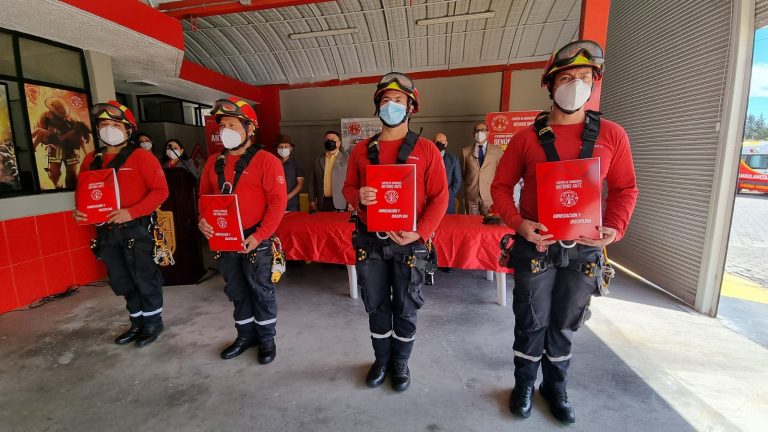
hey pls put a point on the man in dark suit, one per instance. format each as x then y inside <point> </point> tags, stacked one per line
<point>323,196</point>
<point>452,170</point>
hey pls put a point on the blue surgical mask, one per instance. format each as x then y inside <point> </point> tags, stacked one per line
<point>392,114</point>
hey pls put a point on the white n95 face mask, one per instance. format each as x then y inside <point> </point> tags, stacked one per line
<point>283,152</point>
<point>230,138</point>
<point>572,96</point>
<point>112,135</point>
<point>146,145</point>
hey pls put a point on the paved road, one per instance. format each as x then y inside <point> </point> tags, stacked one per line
<point>748,245</point>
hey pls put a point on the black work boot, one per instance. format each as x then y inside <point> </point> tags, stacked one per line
<point>131,334</point>
<point>149,334</point>
<point>267,351</point>
<point>401,375</point>
<point>521,400</point>
<point>559,405</point>
<point>378,373</point>
<point>239,346</point>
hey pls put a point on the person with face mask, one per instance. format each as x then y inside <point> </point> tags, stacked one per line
<point>294,175</point>
<point>176,157</point>
<point>478,167</point>
<point>256,176</point>
<point>144,141</point>
<point>321,191</point>
<point>551,292</point>
<point>393,266</point>
<point>125,242</point>
<point>452,170</point>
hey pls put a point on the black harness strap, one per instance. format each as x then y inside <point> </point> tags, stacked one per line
<point>588,136</point>
<point>240,165</point>
<point>406,148</point>
<point>117,162</point>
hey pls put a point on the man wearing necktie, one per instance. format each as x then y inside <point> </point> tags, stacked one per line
<point>478,167</point>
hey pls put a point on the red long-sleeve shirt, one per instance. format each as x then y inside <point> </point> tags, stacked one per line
<point>431,181</point>
<point>525,151</point>
<point>141,180</point>
<point>261,193</point>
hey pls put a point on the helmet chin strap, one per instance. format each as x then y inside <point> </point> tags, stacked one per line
<point>569,112</point>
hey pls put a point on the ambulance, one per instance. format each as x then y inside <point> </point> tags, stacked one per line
<point>753,168</point>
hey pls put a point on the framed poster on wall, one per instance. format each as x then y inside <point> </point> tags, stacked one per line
<point>60,128</point>
<point>9,171</point>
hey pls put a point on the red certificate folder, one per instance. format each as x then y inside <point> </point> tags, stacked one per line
<point>395,208</point>
<point>223,214</point>
<point>569,198</point>
<point>97,194</point>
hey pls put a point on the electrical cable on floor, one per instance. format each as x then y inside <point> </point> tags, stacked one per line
<point>72,289</point>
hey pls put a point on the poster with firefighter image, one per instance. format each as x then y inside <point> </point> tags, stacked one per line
<point>61,134</point>
<point>9,171</point>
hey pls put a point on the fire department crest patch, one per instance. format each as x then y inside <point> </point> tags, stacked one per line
<point>569,198</point>
<point>221,222</point>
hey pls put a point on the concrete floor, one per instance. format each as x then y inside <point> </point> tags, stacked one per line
<point>643,363</point>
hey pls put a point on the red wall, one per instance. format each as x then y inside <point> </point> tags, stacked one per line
<point>42,255</point>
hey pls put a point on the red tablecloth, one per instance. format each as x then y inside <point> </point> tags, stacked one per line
<point>462,241</point>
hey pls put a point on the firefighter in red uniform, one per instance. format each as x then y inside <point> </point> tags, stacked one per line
<point>393,266</point>
<point>125,243</point>
<point>553,283</point>
<point>257,178</point>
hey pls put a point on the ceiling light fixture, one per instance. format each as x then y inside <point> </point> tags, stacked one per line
<point>324,33</point>
<point>456,18</point>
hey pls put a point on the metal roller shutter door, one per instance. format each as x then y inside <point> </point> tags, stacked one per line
<point>666,65</point>
<point>761,13</point>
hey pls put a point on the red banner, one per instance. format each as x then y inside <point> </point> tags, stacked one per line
<point>212,136</point>
<point>569,198</point>
<point>97,195</point>
<point>395,208</point>
<point>502,126</point>
<point>223,214</point>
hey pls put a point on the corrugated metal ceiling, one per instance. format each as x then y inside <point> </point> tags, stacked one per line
<point>255,46</point>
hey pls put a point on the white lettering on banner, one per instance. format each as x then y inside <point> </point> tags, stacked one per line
<point>97,185</point>
<point>220,212</point>
<point>565,215</point>
<point>581,221</point>
<point>568,184</point>
<point>391,185</point>
<point>389,211</point>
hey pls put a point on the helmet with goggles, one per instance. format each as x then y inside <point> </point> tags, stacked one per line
<point>113,110</point>
<point>575,54</point>
<point>234,107</point>
<point>399,82</point>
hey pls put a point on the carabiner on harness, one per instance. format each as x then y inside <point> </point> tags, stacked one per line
<point>226,188</point>
<point>570,245</point>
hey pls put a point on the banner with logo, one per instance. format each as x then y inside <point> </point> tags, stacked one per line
<point>502,126</point>
<point>212,136</point>
<point>9,168</point>
<point>61,134</point>
<point>354,130</point>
